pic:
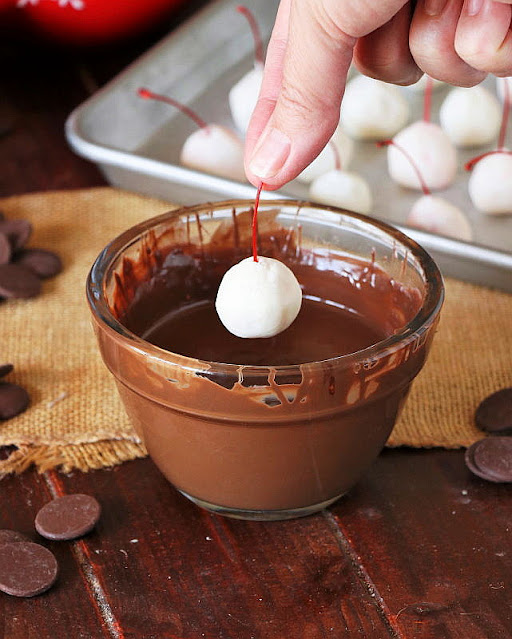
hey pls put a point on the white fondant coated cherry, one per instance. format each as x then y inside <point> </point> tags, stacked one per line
<point>490,184</point>
<point>430,150</point>
<point>372,110</point>
<point>503,85</point>
<point>470,117</point>
<point>258,299</point>
<point>343,189</point>
<point>214,149</point>
<point>437,215</point>
<point>243,96</point>
<point>328,157</point>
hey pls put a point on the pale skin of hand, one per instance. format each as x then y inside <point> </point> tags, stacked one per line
<point>314,41</point>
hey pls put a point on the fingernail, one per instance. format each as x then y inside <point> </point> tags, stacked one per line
<point>473,7</point>
<point>434,7</point>
<point>270,154</point>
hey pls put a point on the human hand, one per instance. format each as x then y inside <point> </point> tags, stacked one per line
<point>311,48</point>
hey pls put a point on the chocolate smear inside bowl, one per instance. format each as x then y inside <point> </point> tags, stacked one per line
<point>264,428</point>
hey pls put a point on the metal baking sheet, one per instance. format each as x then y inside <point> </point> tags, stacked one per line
<point>136,143</point>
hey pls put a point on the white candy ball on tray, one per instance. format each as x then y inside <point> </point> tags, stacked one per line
<point>437,215</point>
<point>258,299</point>
<point>501,83</point>
<point>343,189</point>
<point>215,149</point>
<point>490,184</point>
<point>373,110</point>
<point>243,96</point>
<point>470,117</point>
<point>327,159</point>
<point>431,151</point>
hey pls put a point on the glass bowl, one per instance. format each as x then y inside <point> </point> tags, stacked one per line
<point>266,437</point>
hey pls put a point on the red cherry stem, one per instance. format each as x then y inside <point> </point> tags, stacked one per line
<point>427,100</point>
<point>424,187</point>
<point>503,132</point>
<point>255,223</point>
<point>256,34</point>
<point>149,95</point>
<point>470,165</point>
<point>505,114</point>
<point>337,159</point>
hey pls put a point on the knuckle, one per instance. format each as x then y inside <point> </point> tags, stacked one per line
<point>349,20</point>
<point>329,20</point>
<point>476,57</point>
<point>303,107</point>
<point>452,68</point>
<point>483,55</point>
<point>392,70</point>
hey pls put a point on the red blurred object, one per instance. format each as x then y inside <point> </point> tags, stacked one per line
<point>91,22</point>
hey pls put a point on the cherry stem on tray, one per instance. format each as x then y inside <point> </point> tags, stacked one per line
<point>150,95</point>
<point>424,187</point>
<point>337,158</point>
<point>255,223</point>
<point>504,116</point>
<point>503,132</point>
<point>256,34</point>
<point>427,99</point>
<point>470,165</point>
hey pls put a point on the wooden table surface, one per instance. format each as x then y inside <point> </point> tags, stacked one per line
<point>419,549</point>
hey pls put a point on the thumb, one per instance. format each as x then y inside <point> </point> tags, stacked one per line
<point>308,58</point>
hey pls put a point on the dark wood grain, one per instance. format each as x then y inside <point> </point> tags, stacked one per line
<point>172,570</point>
<point>437,543</point>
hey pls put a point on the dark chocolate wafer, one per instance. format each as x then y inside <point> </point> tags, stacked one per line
<point>18,281</point>
<point>494,414</point>
<point>470,462</point>
<point>5,369</point>
<point>13,400</point>
<point>26,569</point>
<point>41,262</point>
<point>12,537</point>
<point>493,457</point>
<point>18,232</point>
<point>68,517</point>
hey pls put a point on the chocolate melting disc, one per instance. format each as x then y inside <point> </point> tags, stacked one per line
<point>494,414</point>
<point>68,517</point>
<point>26,569</point>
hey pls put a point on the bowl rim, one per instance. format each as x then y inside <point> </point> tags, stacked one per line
<point>418,325</point>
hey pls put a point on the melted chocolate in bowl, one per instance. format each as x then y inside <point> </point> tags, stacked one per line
<point>320,331</point>
<point>263,428</point>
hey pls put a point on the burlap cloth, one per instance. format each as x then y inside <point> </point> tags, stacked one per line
<point>76,419</point>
